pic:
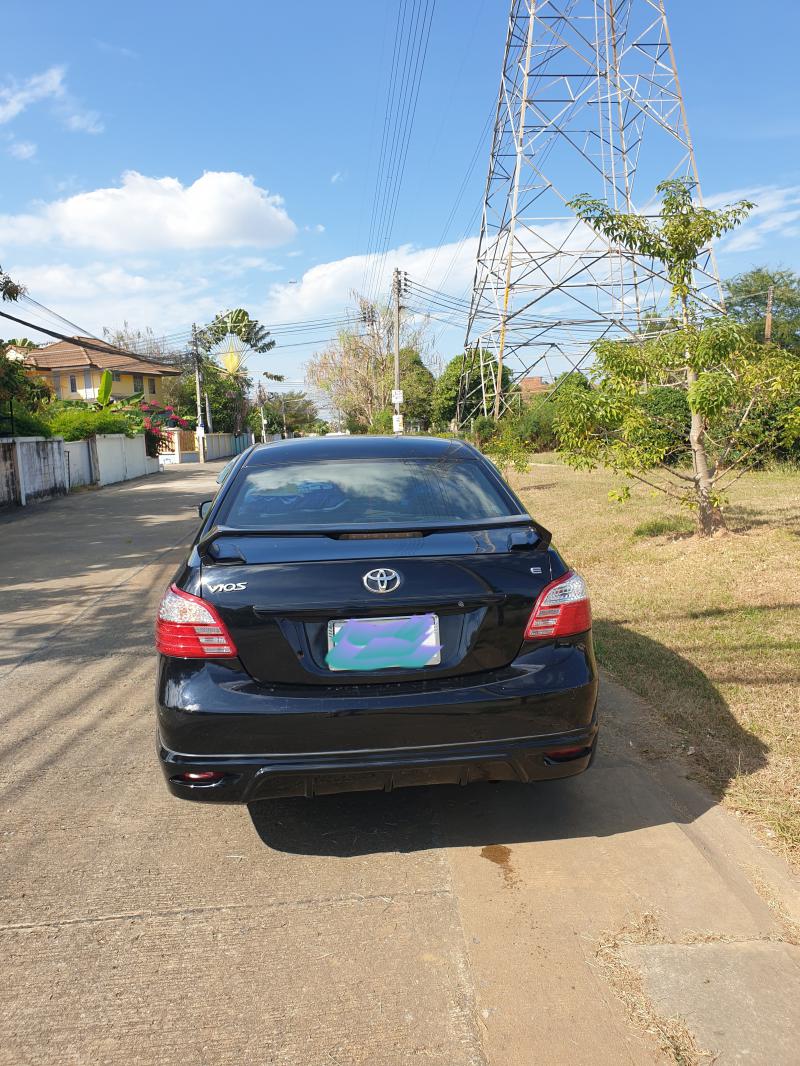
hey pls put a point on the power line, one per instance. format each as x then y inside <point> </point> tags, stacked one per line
<point>411,112</point>
<point>106,349</point>
<point>396,139</point>
<point>386,121</point>
<point>412,35</point>
<point>299,326</point>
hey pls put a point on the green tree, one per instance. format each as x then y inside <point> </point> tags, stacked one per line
<point>16,387</point>
<point>480,396</point>
<point>746,298</point>
<point>484,428</point>
<point>746,394</point>
<point>13,379</point>
<point>683,231</point>
<point>417,383</point>
<point>505,448</point>
<point>228,395</point>
<point>287,412</point>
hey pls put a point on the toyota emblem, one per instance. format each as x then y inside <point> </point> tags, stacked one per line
<point>381,580</point>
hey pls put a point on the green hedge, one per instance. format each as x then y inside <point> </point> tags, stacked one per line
<point>80,424</point>
<point>27,424</point>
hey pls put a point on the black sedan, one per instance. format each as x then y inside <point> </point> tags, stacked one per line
<point>365,613</point>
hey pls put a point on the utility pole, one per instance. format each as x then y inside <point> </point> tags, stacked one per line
<point>198,385</point>
<point>768,319</point>
<point>399,288</point>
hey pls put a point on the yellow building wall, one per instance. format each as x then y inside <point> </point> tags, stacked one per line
<point>125,387</point>
<point>119,389</point>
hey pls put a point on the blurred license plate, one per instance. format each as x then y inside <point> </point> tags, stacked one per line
<point>393,641</point>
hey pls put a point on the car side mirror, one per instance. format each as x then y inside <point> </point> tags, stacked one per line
<point>204,508</point>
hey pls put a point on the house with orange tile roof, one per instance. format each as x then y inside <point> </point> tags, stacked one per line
<point>73,369</point>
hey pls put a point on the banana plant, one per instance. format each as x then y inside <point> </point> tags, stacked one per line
<point>104,401</point>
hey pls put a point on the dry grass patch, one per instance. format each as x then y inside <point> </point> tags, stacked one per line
<point>707,631</point>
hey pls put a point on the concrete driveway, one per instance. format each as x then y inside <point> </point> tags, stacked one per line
<point>620,917</point>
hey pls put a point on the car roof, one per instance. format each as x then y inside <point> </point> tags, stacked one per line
<point>308,449</point>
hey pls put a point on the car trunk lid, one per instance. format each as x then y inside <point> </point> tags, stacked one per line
<point>278,593</point>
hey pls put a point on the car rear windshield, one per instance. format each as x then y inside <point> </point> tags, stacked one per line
<point>351,492</point>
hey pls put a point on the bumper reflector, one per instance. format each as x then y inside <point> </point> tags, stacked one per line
<point>567,754</point>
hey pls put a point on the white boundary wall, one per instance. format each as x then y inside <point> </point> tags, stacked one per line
<point>79,463</point>
<point>214,445</point>
<point>36,468</point>
<point>117,458</point>
<point>223,445</point>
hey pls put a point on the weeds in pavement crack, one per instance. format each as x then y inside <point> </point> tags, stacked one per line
<point>673,1035</point>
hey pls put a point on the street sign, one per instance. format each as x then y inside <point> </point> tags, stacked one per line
<point>397,423</point>
<point>397,395</point>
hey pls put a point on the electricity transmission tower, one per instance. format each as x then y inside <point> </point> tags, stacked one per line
<point>589,102</point>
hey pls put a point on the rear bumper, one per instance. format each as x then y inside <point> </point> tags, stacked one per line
<point>280,741</point>
<point>255,777</point>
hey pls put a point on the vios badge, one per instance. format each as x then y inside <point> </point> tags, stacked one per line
<point>381,580</point>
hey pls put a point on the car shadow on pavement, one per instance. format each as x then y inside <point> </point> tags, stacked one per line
<point>632,785</point>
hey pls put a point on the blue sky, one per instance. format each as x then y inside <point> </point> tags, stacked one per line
<point>280,106</point>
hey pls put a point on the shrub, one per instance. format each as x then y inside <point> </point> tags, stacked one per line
<point>506,450</point>
<point>483,429</point>
<point>381,423</point>
<point>152,440</point>
<point>78,424</point>
<point>27,424</point>
<point>535,425</point>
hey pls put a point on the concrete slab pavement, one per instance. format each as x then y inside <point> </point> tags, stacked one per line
<point>742,999</point>
<point>446,926</point>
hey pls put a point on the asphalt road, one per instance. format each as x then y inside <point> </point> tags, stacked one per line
<point>561,923</point>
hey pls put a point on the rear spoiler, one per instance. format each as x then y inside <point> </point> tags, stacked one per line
<point>531,536</point>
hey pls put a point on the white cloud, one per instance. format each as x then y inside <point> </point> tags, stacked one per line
<point>18,96</point>
<point>116,49</point>
<point>81,121</point>
<point>318,228</point>
<point>337,177</point>
<point>777,208</point>
<point>236,265</point>
<point>22,149</point>
<point>100,294</point>
<point>219,210</point>
<point>329,287</point>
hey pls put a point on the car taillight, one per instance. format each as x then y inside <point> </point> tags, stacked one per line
<point>562,609</point>
<point>188,628</point>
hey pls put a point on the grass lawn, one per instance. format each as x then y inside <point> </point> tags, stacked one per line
<point>707,631</point>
